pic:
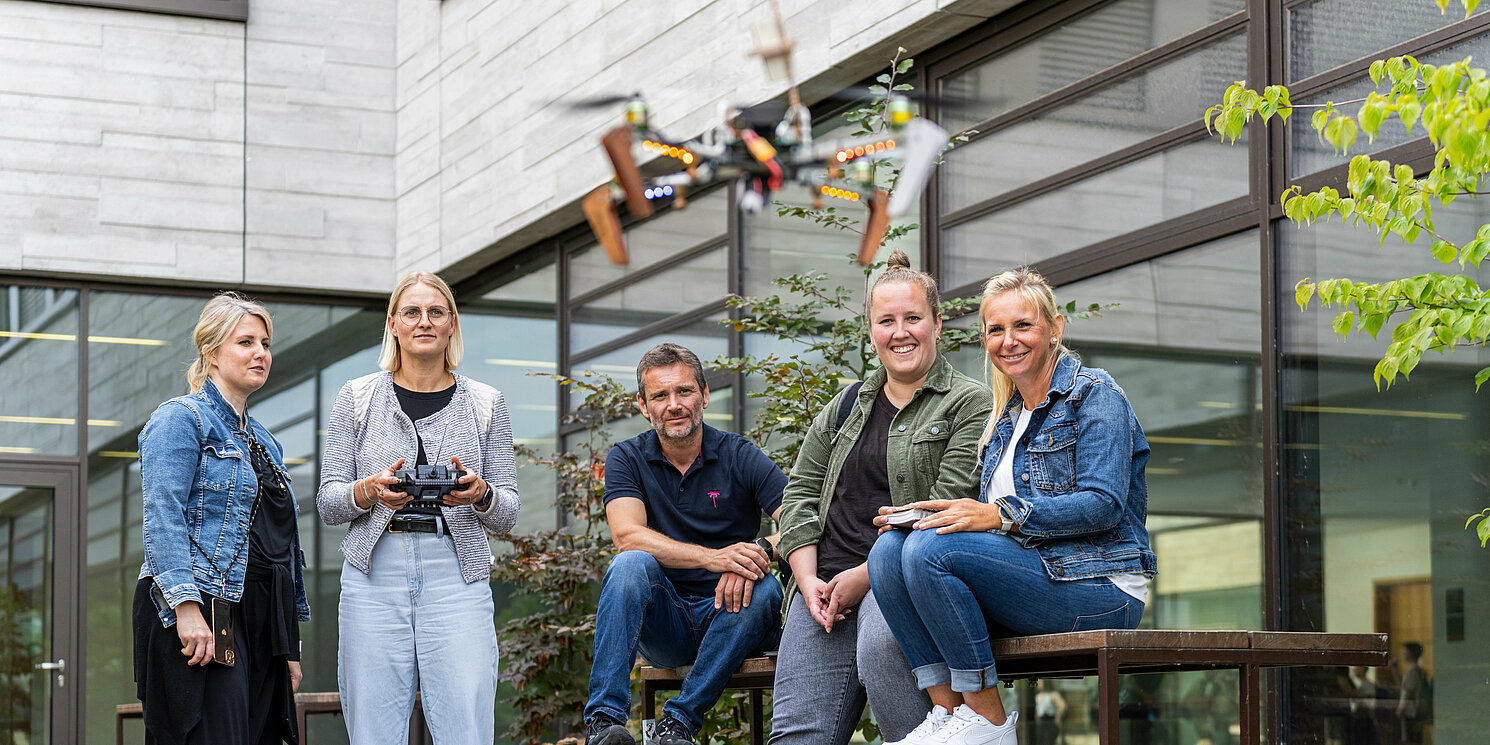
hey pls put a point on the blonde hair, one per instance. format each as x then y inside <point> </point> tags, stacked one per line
<point>218,320</point>
<point>1037,293</point>
<point>389,358</point>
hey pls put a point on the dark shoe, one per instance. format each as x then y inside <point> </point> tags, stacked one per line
<point>603,730</point>
<point>670,731</point>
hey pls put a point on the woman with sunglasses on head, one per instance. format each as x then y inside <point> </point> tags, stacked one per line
<point>416,607</point>
<point>221,551</point>
<point>1056,541</point>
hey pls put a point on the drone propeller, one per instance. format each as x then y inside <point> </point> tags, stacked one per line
<point>600,102</point>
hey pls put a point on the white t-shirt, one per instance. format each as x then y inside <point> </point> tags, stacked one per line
<point>1135,584</point>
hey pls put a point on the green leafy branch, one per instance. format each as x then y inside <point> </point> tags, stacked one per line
<point>1483,531</point>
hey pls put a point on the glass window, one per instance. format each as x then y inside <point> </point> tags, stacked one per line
<point>1309,153</point>
<point>39,364</point>
<point>1152,190</point>
<point>1073,51</point>
<point>1123,114</point>
<point>706,217</point>
<point>1328,33</point>
<point>1379,483</point>
<point>707,338</point>
<point>691,284</point>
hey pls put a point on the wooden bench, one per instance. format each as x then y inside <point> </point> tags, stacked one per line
<point>1106,654</point>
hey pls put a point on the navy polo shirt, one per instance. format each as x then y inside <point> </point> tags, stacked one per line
<point>718,502</point>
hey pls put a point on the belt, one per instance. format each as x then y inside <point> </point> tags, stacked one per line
<point>418,524</point>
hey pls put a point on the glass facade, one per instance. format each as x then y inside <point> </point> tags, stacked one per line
<point>1285,491</point>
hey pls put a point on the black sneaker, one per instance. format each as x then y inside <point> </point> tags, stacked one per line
<point>670,731</point>
<point>603,730</point>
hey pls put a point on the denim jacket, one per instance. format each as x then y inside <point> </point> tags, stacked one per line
<point>1080,497</point>
<point>197,481</point>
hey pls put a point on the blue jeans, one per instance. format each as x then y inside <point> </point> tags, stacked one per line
<point>641,611</point>
<point>946,596</point>
<point>414,622</point>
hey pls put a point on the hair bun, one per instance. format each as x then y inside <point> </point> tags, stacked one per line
<point>898,260</point>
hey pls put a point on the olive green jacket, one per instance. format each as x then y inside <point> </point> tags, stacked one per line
<point>932,452</point>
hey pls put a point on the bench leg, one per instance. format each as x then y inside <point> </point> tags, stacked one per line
<point>1107,697</point>
<point>649,701</point>
<point>1249,679</point>
<point>757,726</point>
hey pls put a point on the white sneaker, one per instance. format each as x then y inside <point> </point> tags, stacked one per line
<point>968,727</point>
<point>923,731</point>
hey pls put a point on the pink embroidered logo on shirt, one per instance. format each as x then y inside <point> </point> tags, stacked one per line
<point>714,495</point>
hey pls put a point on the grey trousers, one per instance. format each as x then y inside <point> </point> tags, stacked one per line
<point>823,680</point>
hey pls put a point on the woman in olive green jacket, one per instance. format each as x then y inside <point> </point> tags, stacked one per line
<point>911,435</point>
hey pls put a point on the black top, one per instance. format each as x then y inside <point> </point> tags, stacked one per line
<point>273,529</point>
<point>717,503</point>
<point>863,487</point>
<point>418,405</point>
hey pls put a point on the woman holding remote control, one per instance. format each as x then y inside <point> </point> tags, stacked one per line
<point>908,433</point>
<point>216,610</point>
<point>416,607</point>
<point>1056,541</point>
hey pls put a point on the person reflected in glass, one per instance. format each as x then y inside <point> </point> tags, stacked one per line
<point>416,608</point>
<point>911,435</point>
<point>221,545</point>
<point>1055,541</point>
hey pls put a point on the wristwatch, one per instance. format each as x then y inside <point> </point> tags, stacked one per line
<point>485,500</point>
<point>766,546</point>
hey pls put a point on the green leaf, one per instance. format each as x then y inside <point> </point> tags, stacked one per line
<point>1409,110</point>
<point>1377,68</point>
<point>1445,252</point>
<point>1386,370</point>
<point>1343,323</point>
<point>1372,324</point>
<point>1302,293</point>
<point>1373,112</point>
<point>904,66</point>
<point>1480,378</point>
<point>1319,119</point>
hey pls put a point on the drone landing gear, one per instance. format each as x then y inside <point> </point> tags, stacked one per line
<point>617,144</point>
<point>600,211</point>
<point>875,227</point>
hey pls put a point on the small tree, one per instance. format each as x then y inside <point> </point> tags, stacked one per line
<point>1442,311</point>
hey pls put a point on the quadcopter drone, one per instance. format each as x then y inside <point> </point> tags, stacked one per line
<point>765,147</point>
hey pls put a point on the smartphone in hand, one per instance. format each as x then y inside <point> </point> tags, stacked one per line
<point>906,518</point>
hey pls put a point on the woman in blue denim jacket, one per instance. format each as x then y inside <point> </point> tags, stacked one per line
<point>219,524</point>
<point>1056,541</point>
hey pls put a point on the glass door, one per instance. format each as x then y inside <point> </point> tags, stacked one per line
<point>38,606</point>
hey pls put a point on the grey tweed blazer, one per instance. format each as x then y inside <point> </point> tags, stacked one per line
<point>387,435</point>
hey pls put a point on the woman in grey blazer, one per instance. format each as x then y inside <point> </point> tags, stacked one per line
<point>416,608</point>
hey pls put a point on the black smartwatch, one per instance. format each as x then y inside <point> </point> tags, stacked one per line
<point>767,547</point>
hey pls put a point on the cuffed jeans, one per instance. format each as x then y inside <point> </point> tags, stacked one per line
<point>640,610</point>
<point>823,679</point>
<point>945,596</point>
<point>413,623</point>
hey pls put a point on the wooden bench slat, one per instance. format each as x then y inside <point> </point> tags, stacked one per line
<point>1091,641</point>
<point>1304,640</point>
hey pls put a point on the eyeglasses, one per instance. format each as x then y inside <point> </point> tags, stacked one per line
<point>438,316</point>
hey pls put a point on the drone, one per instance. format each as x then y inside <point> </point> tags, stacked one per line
<point>764,148</point>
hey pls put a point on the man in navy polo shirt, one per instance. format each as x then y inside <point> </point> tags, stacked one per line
<point>689,586</point>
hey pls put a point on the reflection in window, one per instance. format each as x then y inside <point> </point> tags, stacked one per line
<point>706,218</point>
<point>1324,34</point>
<point>707,338</point>
<point>1379,483</point>
<point>1309,153</point>
<point>1124,114</point>
<point>1150,191</point>
<point>694,283</point>
<point>38,364</point>
<point>1073,51</point>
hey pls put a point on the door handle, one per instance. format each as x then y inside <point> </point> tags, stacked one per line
<point>60,666</point>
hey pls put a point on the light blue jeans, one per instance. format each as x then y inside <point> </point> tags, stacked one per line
<point>946,596</point>
<point>413,624</point>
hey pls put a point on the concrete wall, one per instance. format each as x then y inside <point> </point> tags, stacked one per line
<point>143,146</point>
<point>489,160</point>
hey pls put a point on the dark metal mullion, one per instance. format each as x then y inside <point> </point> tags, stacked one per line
<point>561,318</point>
<point>1006,30</point>
<point>1418,154</point>
<point>1270,160</point>
<point>930,195</point>
<point>1181,135</point>
<point>1117,73</point>
<point>77,562</point>
<point>1423,45</point>
<point>186,288</point>
<point>675,321</point>
<point>736,237</point>
<point>652,270</point>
